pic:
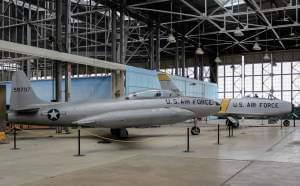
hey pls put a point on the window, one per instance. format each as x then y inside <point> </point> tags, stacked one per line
<point>258,80</point>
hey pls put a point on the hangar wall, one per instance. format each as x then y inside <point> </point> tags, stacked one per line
<point>137,79</point>
<point>141,79</point>
<point>192,87</point>
<point>82,88</point>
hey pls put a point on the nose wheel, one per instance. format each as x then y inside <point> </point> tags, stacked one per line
<point>195,129</point>
<point>286,123</point>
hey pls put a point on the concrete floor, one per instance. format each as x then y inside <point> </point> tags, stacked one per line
<point>155,156</point>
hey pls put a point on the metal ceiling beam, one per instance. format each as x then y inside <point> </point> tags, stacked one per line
<point>215,24</point>
<point>270,26</point>
<point>269,10</point>
<point>252,36</point>
<point>166,12</point>
<point>228,12</point>
<point>17,59</point>
<point>250,29</point>
<point>202,21</point>
<point>148,3</point>
<point>59,56</point>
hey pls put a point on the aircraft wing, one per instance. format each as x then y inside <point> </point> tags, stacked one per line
<point>136,118</point>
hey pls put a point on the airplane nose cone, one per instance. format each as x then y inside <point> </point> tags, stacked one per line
<point>289,107</point>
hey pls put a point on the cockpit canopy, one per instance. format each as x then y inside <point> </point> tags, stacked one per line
<point>270,97</point>
<point>152,94</point>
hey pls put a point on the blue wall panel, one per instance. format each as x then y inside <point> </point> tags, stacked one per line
<point>191,87</point>
<point>138,79</point>
<point>82,88</point>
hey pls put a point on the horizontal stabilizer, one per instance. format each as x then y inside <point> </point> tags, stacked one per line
<point>27,110</point>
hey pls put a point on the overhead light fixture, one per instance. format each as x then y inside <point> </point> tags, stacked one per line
<point>199,51</point>
<point>218,60</point>
<point>141,39</point>
<point>238,32</point>
<point>267,56</point>
<point>256,46</point>
<point>292,33</point>
<point>171,38</point>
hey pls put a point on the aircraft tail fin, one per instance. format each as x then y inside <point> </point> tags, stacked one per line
<point>22,95</point>
<point>167,83</point>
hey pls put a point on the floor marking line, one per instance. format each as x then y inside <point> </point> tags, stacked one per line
<point>279,141</point>
<point>228,179</point>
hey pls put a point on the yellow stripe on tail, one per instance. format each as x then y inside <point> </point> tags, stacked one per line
<point>224,105</point>
<point>163,77</point>
<point>2,137</point>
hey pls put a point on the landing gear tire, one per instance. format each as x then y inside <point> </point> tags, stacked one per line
<point>195,131</point>
<point>230,123</point>
<point>119,133</point>
<point>286,123</point>
<point>123,133</point>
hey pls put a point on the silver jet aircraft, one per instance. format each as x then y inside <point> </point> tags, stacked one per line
<point>155,107</point>
<point>254,108</point>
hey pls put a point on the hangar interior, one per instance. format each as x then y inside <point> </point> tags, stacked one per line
<point>162,35</point>
<point>74,50</point>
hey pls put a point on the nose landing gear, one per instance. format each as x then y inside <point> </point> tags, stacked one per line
<point>286,123</point>
<point>195,129</point>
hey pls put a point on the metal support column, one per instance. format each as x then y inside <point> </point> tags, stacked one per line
<point>68,67</point>
<point>213,71</point>
<point>201,68</point>
<point>114,35</point>
<point>177,58</point>
<point>58,70</point>
<point>122,33</point>
<point>28,31</point>
<point>196,62</point>
<point>157,47</point>
<point>183,58</point>
<point>151,47</point>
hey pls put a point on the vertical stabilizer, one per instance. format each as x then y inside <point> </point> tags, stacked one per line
<point>22,95</point>
<point>167,83</point>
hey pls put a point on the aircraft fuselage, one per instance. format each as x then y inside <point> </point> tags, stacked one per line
<point>106,113</point>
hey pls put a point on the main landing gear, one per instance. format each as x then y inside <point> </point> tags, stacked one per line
<point>195,129</point>
<point>230,123</point>
<point>119,133</point>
